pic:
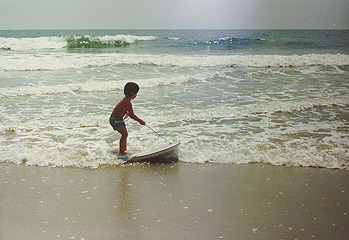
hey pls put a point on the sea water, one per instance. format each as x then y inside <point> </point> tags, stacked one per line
<point>229,96</point>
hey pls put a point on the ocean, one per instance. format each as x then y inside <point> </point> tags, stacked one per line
<point>229,96</point>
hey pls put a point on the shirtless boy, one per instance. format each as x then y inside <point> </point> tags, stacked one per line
<point>121,109</point>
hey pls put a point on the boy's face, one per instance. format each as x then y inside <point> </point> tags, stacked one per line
<point>134,96</point>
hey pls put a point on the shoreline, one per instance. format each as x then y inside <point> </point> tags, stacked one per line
<point>174,201</point>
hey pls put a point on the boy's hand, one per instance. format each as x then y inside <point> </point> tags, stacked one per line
<point>142,122</point>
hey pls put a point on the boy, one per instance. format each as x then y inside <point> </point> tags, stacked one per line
<point>121,109</point>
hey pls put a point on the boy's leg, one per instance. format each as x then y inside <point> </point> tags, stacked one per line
<point>123,140</point>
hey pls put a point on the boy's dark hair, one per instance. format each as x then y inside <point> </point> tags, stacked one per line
<point>130,89</point>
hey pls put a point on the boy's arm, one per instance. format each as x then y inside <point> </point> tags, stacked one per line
<point>133,115</point>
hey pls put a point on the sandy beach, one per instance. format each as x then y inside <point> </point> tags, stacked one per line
<point>173,201</point>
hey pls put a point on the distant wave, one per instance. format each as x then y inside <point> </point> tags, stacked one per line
<point>70,42</point>
<point>231,40</point>
<point>32,43</point>
<point>105,42</point>
<point>62,61</point>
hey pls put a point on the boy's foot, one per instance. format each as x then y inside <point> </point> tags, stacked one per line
<point>124,157</point>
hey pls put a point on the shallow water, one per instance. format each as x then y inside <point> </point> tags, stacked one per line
<point>230,96</point>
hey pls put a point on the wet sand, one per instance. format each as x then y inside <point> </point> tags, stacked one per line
<point>173,201</point>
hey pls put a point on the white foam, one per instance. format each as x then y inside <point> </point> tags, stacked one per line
<point>185,115</point>
<point>84,141</point>
<point>32,43</point>
<point>59,142</point>
<point>126,38</point>
<point>243,151</point>
<point>77,147</point>
<point>61,61</point>
<point>228,112</point>
<point>288,142</point>
<point>91,86</point>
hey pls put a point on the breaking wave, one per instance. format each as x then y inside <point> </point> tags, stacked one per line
<point>96,86</point>
<point>55,42</point>
<point>63,61</point>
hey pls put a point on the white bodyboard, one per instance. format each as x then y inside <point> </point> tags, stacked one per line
<point>153,153</point>
<point>141,156</point>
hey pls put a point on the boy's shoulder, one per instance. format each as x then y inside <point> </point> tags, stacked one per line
<point>125,101</point>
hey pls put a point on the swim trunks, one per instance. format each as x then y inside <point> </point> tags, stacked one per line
<point>116,122</point>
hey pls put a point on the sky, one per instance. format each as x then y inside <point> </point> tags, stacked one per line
<point>174,14</point>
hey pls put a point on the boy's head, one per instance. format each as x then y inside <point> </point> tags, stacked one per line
<point>130,89</point>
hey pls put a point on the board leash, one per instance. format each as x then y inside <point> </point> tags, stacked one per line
<point>158,134</point>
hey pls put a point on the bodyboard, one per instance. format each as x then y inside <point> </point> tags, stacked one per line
<point>136,157</point>
<point>154,155</point>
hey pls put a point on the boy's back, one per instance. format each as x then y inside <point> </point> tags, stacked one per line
<point>122,108</point>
